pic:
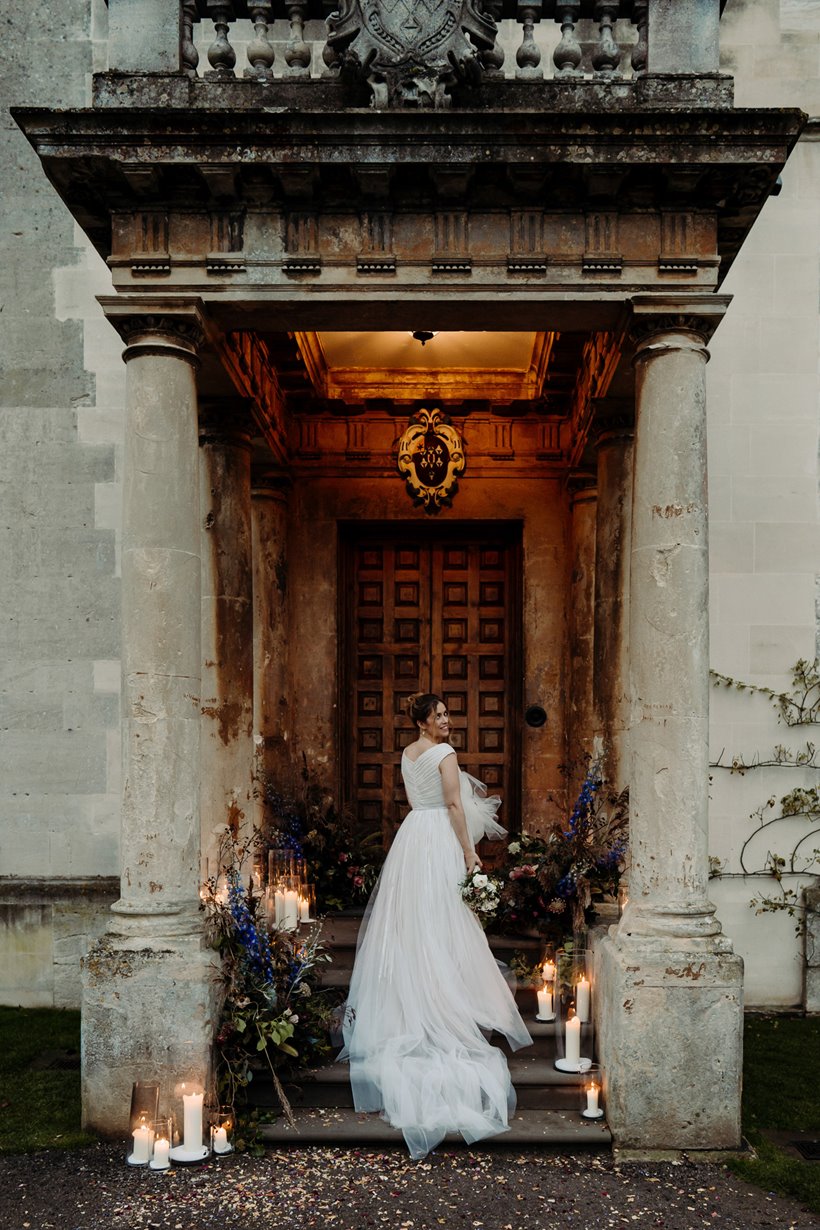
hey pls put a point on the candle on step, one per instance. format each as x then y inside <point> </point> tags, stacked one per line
<point>592,1099</point>
<point>192,1120</point>
<point>142,1143</point>
<point>161,1150</point>
<point>582,999</point>
<point>544,1001</point>
<point>548,971</point>
<point>573,1041</point>
<point>290,919</point>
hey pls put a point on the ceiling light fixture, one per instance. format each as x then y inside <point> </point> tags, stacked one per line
<point>424,335</point>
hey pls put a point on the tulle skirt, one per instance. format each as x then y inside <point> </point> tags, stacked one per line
<point>425,994</point>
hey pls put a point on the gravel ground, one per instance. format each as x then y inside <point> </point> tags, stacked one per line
<point>93,1189</point>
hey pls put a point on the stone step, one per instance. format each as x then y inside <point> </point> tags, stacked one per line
<point>340,934</point>
<point>343,1126</point>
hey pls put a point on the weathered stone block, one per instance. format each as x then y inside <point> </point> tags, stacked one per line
<point>143,36</point>
<point>684,36</point>
<point>670,1024</point>
<point>148,1014</point>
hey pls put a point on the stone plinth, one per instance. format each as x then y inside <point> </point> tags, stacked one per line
<point>670,1022</point>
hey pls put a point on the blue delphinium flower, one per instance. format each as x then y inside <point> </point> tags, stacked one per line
<point>254,941</point>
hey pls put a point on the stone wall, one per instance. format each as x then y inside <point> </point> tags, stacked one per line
<point>59,624</point>
<point>764,411</point>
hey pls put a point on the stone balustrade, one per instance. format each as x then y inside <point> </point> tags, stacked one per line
<point>524,40</point>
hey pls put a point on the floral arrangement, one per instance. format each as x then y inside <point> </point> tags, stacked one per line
<point>343,863</point>
<point>553,881</point>
<point>482,894</point>
<point>275,1015</point>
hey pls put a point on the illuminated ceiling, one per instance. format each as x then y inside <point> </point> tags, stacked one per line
<point>356,367</point>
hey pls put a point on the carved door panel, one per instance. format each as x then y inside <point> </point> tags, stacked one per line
<point>440,615</point>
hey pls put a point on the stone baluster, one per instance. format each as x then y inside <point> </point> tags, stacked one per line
<point>606,55</point>
<point>528,56</point>
<point>567,55</point>
<point>225,430</point>
<point>260,50</point>
<point>492,59</point>
<point>221,55</point>
<point>188,52</point>
<point>669,985</point>
<point>297,51</point>
<point>149,995</point>
<point>640,19</point>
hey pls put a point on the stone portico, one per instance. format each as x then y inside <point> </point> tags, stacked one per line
<point>243,218</point>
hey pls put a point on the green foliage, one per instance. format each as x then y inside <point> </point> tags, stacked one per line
<point>554,881</point>
<point>798,707</point>
<point>39,1106</point>
<point>781,1077</point>
<point>343,862</point>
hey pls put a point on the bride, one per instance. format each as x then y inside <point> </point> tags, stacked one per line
<point>426,992</point>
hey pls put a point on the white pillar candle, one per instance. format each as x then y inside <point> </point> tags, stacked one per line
<point>548,971</point>
<point>192,1120</point>
<point>221,1140</point>
<point>592,1100</point>
<point>304,909</point>
<point>573,1041</point>
<point>544,1002</point>
<point>582,999</point>
<point>291,916</point>
<point>162,1148</point>
<point>142,1143</point>
<point>279,907</point>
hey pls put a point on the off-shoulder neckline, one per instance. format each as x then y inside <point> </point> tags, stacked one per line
<point>425,752</point>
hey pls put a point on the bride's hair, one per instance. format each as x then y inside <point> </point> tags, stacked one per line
<point>420,705</point>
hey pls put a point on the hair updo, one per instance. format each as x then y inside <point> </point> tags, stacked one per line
<point>420,705</point>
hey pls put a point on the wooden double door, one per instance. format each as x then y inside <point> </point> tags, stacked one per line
<point>429,609</point>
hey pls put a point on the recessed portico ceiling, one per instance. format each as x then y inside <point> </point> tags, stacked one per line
<point>355,367</point>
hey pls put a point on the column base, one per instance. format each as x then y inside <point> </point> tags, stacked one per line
<point>148,1013</point>
<point>670,1040</point>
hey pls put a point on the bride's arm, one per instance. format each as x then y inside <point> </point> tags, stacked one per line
<point>451,785</point>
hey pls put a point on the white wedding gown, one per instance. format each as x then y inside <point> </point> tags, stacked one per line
<point>425,988</point>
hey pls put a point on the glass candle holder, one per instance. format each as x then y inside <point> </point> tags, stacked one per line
<point>144,1103</point>
<point>163,1143</point>
<point>222,1128</point>
<point>307,903</point>
<point>591,1093</point>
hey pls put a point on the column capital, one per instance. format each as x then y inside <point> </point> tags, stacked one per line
<point>152,324</point>
<point>656,315</point>
<point>270,482</point>
<point>226,421</point>
<point>582,486</point>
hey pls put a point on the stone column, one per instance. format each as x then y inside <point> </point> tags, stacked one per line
<point>581,723</point>
<point>669,1002</point>
<point>270,638</point>
<point>612,550</point>
<point>227,623</point>
<point>148,986</point>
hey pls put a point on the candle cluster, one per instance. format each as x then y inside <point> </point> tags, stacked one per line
<point>156,1141</point>
<point>290,900</point>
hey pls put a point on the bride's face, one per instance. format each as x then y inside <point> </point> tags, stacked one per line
<point>437,726</point>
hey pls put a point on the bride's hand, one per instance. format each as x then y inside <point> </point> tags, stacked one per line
<point>473,862</point>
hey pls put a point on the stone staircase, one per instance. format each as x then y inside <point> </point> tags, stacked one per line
<point>548,1111</point>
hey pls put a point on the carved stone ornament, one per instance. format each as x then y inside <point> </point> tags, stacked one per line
<point>410,52</point>
<point>431,457</point>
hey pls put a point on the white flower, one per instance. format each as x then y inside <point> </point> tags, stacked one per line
<point>492,888</point>
<point>514,847</point>
<point>480,881</point>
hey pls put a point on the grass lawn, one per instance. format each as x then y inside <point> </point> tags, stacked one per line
<point>781,1080</point>
<point>39,1106</point>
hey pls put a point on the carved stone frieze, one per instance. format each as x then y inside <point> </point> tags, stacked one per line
<point>410,53</point>
<point>431,458</point>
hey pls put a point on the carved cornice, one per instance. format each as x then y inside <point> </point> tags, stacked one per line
<point>246,359</point>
